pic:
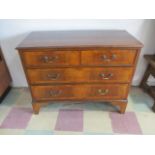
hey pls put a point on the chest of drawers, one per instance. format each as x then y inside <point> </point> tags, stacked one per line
<point>79,66</point>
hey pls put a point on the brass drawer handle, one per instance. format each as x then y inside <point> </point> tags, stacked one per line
<point>55,92</point>
<point>106,77</point>
<point>105,58</point>
<point>47,59</point>
<point>53,76</point>
<point>103,91</point>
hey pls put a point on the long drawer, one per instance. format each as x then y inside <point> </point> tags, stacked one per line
<point>108,57</point>
<point>81,92</point>
<point>78,75</point>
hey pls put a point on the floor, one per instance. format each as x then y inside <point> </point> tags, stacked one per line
<point>16,116</point>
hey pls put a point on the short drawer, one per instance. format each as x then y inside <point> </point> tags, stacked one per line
<point>78,75</point>
<point>46,58</point>
<point>108,57</point>
<point>84,92</point>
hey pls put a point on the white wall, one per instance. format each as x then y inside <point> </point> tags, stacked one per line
<point>13,31</point>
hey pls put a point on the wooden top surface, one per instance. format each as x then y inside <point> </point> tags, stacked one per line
<point>79,38</point>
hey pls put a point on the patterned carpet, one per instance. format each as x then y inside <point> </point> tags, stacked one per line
<point>16,116</point>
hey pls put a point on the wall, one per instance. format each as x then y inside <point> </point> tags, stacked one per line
<point>12,32</point>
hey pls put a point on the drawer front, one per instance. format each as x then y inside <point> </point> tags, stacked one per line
<point>108,57</point>
<point>51,58</point>
<point>77,75</point>
<point>81,92</point>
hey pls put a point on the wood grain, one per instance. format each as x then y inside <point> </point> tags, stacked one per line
<point>48,58</point>
<point>80,75</point>
<point>85,91</point>
<point>109,57</point>
<point>79,38</point>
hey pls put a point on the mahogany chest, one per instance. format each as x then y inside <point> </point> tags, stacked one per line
<point>5,78</point>
<point>79,66</point>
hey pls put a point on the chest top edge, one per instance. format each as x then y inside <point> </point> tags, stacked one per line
<point>80,39</point>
